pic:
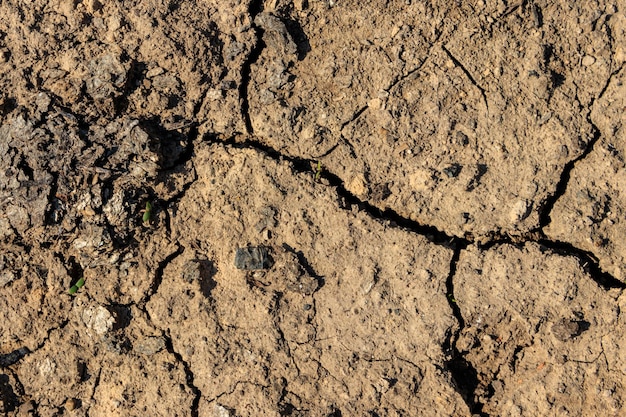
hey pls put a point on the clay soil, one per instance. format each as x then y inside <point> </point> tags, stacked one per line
<point>433,190</point>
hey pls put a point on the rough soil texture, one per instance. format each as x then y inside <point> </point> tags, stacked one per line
<point>434,188</point>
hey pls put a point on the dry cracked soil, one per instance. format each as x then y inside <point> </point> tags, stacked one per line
<point>312,208</point>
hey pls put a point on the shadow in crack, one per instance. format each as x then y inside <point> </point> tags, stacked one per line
<point>190,378</point>
<point>299,37</point>
<point>254,9</point>
<point>588,262</point>
<point>134,79</point>
<point>173,146</point>
<point>305,166</point>
<point>463,374</point>
<point>466,379</point>
<point>306,265</point>
<point>122,314</point>
<point>7,395</point>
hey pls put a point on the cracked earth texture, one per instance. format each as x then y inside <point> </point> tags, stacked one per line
<point>438,184</point>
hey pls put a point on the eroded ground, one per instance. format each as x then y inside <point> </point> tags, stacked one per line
<point>437,185</point>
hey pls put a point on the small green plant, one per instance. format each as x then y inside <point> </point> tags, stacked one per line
<point>147,214</point>
<point>318,171</point>
<point>79,284</point>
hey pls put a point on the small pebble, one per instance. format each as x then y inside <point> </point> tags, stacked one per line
<point>220,411</point>
<point>72,404</point>
<point>520,210</point>
<point>588,60</point>
<point>452,171</point>
<point>154,72</point>
<point>375,104</point>
<point>461,138</point>
<point>192,271</point>
<point>214,94</point>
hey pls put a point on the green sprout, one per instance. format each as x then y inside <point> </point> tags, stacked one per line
<point>79,284</point>
<point>318,171</point>
<point>147,214</point>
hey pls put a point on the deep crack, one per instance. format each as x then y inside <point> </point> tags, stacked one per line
<point>463,373</point>
<point>256,7</point>
<point>302,165</point>
<point>561,187</point>
<point>588,259</point>
<point>434,235</point>
<point>190,378</point>
<point>588,262</point>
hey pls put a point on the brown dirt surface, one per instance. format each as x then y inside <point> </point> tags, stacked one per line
<point>312,208</point>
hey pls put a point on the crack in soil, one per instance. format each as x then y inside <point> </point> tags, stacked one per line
<point>17,355</point>
<point>392,218</point>
<point>303,165</point>
<point>468,74</point>
<point>409,73</point>
<point>255,7</point>
<point>49,214</point>
<point>588,261</point>
<point>158,275</point>
<point>355,116</point>
<point>561,187</point>
<point>462,371</point>
<point>402,78</point>
<point>234,388</point>
<point>10,393</point>
<point>93,391</point>
<point>189,376</point>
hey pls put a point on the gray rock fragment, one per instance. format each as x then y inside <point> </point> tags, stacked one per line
<point>276,35</point>
<point>565,329</point>
<point>253,258</point>
<point>150,345</point>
